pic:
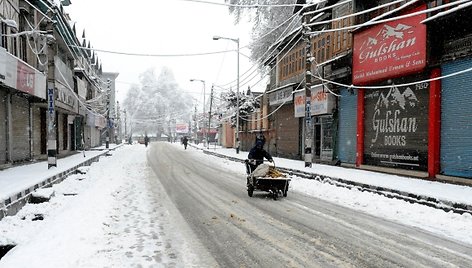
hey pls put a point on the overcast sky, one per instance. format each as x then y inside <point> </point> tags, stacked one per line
<point>163,27</point>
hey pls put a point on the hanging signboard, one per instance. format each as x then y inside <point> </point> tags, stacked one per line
<point>321,102</point>
<point>390,50</point>
<point>299,104</point>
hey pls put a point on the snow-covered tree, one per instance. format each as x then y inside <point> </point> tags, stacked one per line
<point>247,105</point>
<point>265,18</point>
<point>157,103</point>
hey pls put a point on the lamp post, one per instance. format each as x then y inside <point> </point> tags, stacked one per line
<point>236,40</point>
<point>203,81</point>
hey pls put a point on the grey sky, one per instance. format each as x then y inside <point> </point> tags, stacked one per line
<point>163,27</point>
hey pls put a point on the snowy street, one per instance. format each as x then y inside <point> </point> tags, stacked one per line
<point>166,206</point>
<point>120,217</point>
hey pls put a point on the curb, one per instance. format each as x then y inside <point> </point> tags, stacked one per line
<point>445,205</point>
<point>12,204</point>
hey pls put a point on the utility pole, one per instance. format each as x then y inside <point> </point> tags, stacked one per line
<point>195,125</point>
<point>107,141</point>
<point>126,132</point>
<point>308,123</point>
<point>209,118</point>
<point>118,119</point>
<point>51,95</point>
<point>203,120</point>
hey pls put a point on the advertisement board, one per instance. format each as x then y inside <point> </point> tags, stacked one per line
<point>181,128</point>
<point>390,50</point>
<point>396,127</point>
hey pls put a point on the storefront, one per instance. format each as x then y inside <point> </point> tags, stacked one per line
<point>3,126</point>
<point>323,104</point>
<point>21,86</point>
<point>456,120</point>
<point>347,140</point>
<point>393,120</point>
<point>286,141</point>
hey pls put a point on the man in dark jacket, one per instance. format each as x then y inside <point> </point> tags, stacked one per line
<point>257,154</point>
<point>185,142</point>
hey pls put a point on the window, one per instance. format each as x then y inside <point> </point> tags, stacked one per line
<point>4,28</point>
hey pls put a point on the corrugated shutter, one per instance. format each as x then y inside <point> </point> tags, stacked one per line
<point>456,120</point>
<point>36,131</point>
<point>347,141</point>
<point>288,133</point>
<point>20,129</point>
<point>3,127</point>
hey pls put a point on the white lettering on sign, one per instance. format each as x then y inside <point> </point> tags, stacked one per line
<point>388,118</point>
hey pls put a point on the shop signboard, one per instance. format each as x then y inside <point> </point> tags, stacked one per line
<point>10,70</point>
<point>299,104</point>
<point>396,127</point>
<point>181,128</point>
<point>390,50</point>
<point>25,78</point>
<point>281,96</point>
<point>321,102</point>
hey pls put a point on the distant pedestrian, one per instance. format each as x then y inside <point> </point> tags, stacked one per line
<point>185,142</point>
<point>146,140</point>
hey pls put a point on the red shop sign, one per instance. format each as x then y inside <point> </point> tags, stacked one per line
<point>25,78</point>
<point>390,50</point>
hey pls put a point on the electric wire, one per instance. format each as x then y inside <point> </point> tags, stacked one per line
<point>370,23</point>
<point>245,6</point>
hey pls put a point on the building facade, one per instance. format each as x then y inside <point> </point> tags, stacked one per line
<point>47,83</point>
<point>390,96</point>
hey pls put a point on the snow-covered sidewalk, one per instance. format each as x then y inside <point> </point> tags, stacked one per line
<point>438,190</point>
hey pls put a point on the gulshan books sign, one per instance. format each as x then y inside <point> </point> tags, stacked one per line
<point>396,126</point>
<point>390,50</point>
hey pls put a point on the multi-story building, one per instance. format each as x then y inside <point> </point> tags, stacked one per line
<point>41,61</point>
<point>388,93</point>
<point>330,57</point>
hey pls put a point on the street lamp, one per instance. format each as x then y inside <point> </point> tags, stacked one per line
<point>237,88</point>
<point>205,136</point>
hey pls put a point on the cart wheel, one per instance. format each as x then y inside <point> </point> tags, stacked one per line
<point>250,190</point>
<point>275,193</point>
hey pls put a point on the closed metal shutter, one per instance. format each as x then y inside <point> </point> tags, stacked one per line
<point>347,127</point>
<point>3,127</point>
<point>36,128</point>
<point>287,129</point>
<point>456,120</point>
<point>20,140</point>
